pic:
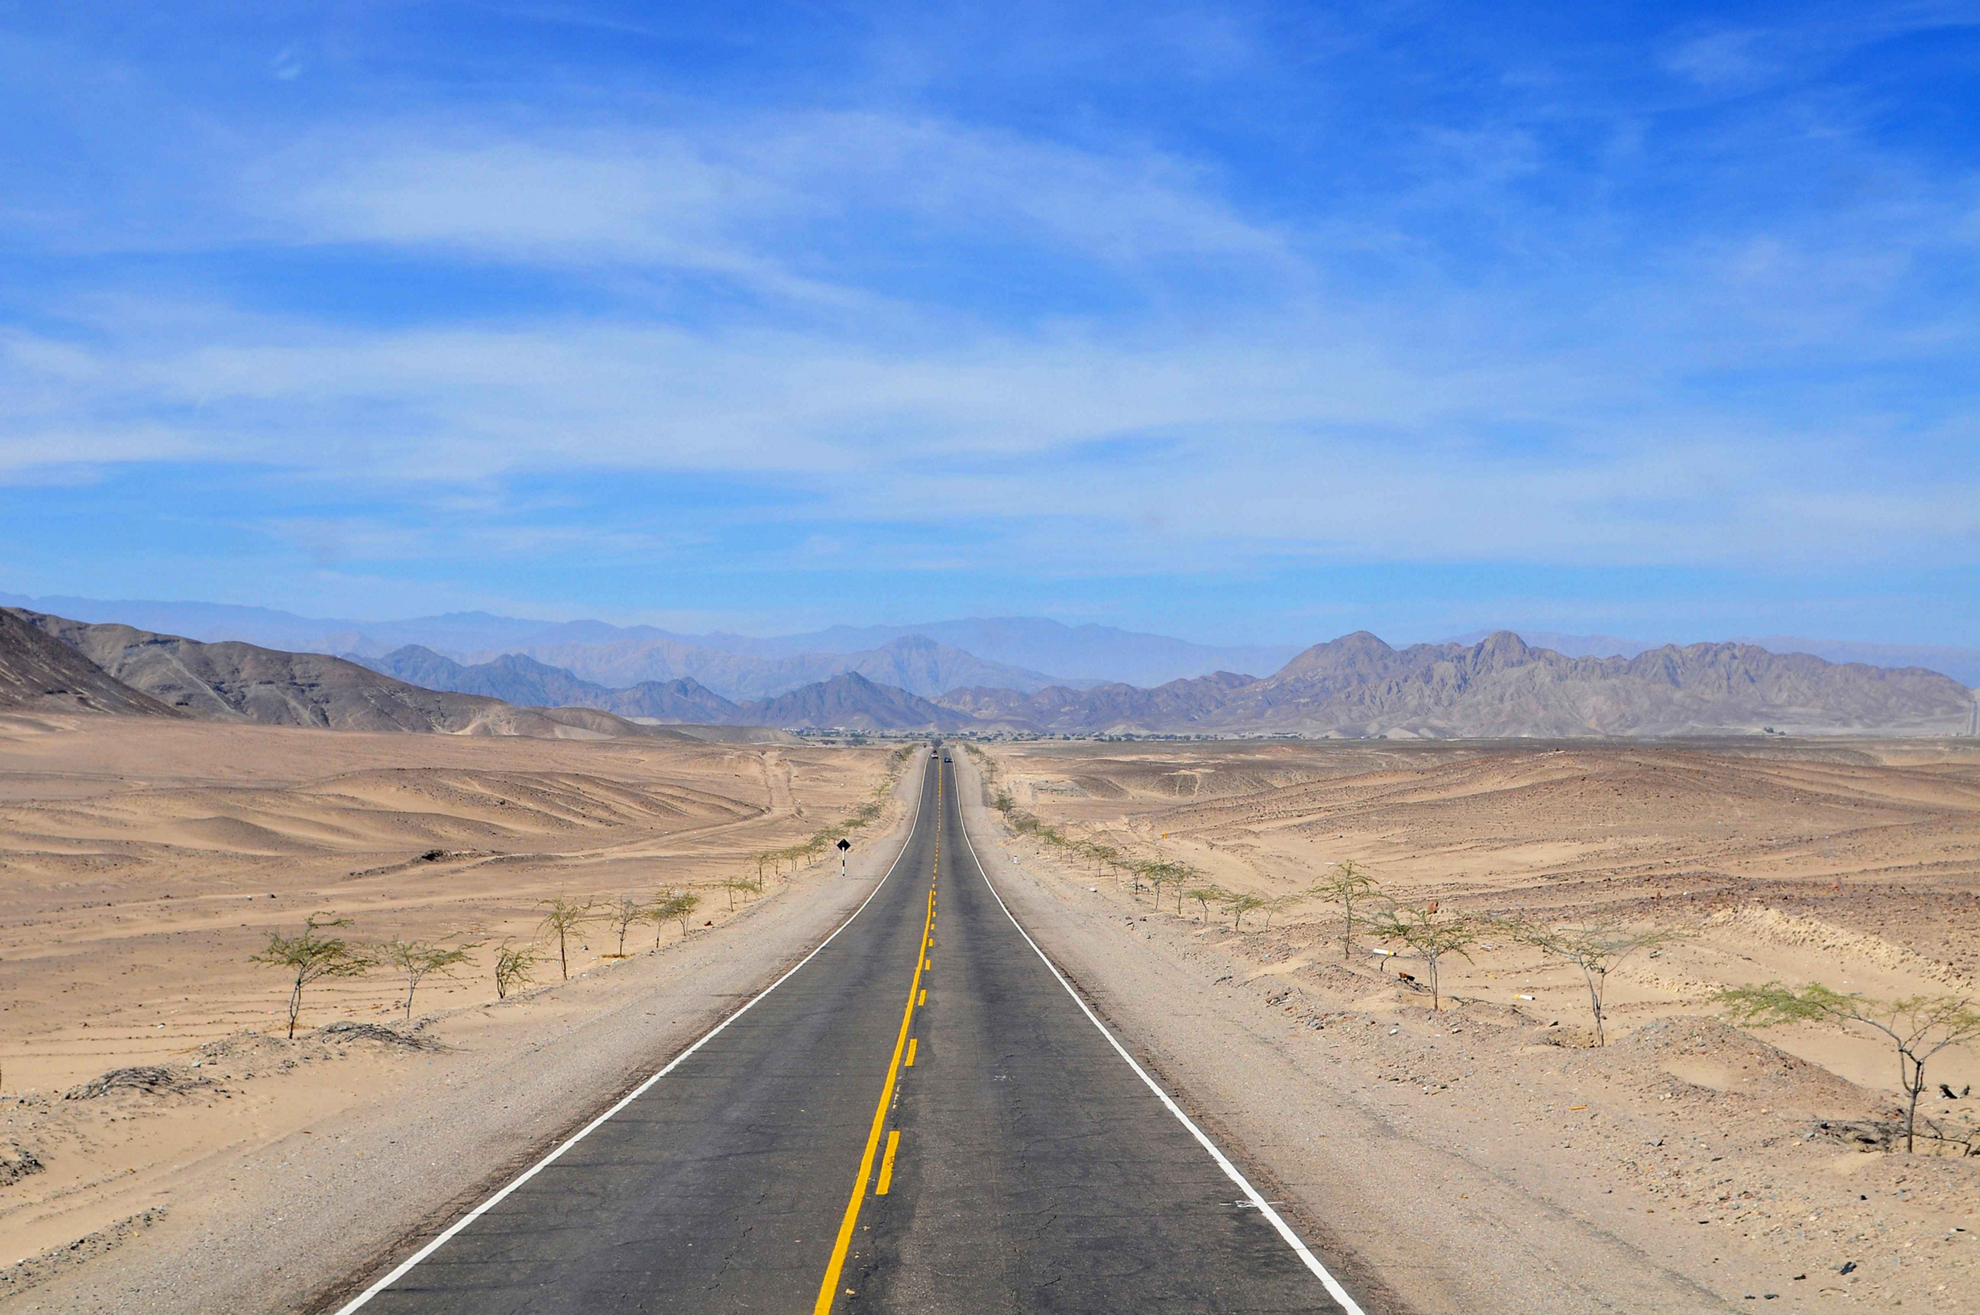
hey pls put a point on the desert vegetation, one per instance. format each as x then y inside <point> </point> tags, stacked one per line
<point>1917,1028</point>
<point>310,956</point>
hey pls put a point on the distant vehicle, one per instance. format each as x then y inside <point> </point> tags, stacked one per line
<point>946,758</point>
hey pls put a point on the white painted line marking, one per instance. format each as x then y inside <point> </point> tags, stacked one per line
<point>1252,1197</point>
<point>406,1267</point>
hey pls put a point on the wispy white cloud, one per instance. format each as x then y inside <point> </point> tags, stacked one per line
<point>1545,321</point>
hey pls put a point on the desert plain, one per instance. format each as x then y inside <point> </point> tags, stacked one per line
<point>1714,1163</point>
<point>144,862</point>
<point>1482,1155</point>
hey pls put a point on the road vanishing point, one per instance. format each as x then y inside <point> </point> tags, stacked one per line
<point>921,1116</point>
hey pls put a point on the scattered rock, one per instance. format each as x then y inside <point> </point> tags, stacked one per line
<point>150,1078</point>
<point>391,1036</point>
<point>16,1163</point>
<point>21,1276</point>
<point>1862,1134</point>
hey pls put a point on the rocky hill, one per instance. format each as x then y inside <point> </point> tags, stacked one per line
<point>522,680</point>
<point>242,682</point>
<point>853,702</point>
<point>1359,686</point>
<point>40,673</point>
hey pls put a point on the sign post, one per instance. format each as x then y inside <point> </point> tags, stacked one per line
<point>844,845</point>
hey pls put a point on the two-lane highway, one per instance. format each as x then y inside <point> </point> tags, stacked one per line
<point>918,1117</point>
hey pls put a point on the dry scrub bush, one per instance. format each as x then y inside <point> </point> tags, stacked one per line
<point>675,906</point>
<point>1237,905</point>
<point>416,960</point>
<point>1347,886</point>
<point>1918,1027</point>
<point>1430,936</point>
<point>1598,951</point>
<point>561,919</point>
<point>512,968</point>
<point>623,915</point>
<point>312,956</point>
<point>1205,896</point>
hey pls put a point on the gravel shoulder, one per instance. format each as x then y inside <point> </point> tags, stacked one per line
<point>299,1222</point>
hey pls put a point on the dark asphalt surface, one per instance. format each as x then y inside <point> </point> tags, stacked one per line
<point>1035,1171</point>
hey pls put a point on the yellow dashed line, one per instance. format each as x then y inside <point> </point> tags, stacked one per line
<point>828,1290</point>
<point>887,1164</point>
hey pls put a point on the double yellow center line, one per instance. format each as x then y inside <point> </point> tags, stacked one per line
<point>828,1291</point>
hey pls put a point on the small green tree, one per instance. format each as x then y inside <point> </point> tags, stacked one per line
<point>1918,1027</point>
<point>1180,875</point>
<point>513,965</point>
<point>1347,886</point>
<point>622,915</point>
<point>678,906</point>
<point>560,919</point>
<point>1598,951</point>
<point>312,956</point>
<point>1160,873</point>
<point>1431,936</point>
<point>416,960</point>
<point>1239,904</point>
<point>1205,896</point>
<point>1280,903</point>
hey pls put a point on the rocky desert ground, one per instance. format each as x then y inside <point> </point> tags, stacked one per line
<point>143,861</point>
<point>1464,1150</point>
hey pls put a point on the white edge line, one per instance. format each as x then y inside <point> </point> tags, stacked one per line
<point>1333,1285</point>
<point>407,1265</point>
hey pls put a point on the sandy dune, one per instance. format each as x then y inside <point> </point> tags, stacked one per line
<point>143,860</point>
<point>1693,1153</point>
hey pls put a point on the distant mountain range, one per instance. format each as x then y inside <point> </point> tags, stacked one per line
<point>912,662</point>
<point>1359,686</point>
<point>1354,686</point>
<point>993,652</point>
<point>120,669</point>
<point>514,678</point>
<point>1962,664</point>
<point>1010,652</point>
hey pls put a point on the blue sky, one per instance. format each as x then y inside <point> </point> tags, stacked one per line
<point>1242,322</point>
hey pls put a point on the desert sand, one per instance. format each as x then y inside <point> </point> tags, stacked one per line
<point>1687,1165</point>
<point>143,861</point>
<point>1481,1157</point>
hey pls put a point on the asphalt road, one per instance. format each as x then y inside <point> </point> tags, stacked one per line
<point>920,1117</point>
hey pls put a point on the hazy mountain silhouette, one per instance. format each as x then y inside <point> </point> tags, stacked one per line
<point>1359,686</point>
<point>514,678</point>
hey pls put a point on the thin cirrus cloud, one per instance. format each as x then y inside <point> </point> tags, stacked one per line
<point>783,206</point>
